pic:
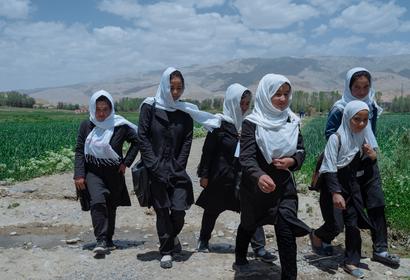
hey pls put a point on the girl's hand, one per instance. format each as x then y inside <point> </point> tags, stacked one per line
<point>338,201</point>
<point>203,182</point>
<point>266,184</point>
<point>122,168</point>
<point>368,150</point>
<point>283,163</point>
<point>80,183</point>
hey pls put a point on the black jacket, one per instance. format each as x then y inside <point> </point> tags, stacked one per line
<point>257,207</point>
<point>114,181</point>
<point>219,165</point>
<point>165,140</point>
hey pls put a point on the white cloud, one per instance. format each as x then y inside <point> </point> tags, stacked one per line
<point>125,8</point>
<point>320,30</point>
<point>338,46</point>
<point>394,48</point>
<point>209,3</point>
<point>404,27</point>
<point>14,9</point>
<point>49,53</point>
<point>329,7</point>
<point>268,14</point>
<point>366,17</point>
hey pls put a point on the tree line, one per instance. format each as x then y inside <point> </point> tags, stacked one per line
<point>16,99</point>
<point>302,102</point>
<point>400,104</point>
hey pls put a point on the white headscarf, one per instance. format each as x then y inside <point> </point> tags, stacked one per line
<point>369,99</point>
<point>275,136</point>
<point>351,142</point>
<point>232,112</point>
<point>97,145</point>
<point>164,101</point>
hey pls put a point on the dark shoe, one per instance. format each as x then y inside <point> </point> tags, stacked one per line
<point>266,257</point>
<point>315,249</point>
<point>327,249</point>
<point>110,245</point>
<point>166,261</point>
<point>100,248</point>
<point>241,268</point>
<point>389,260</point>
<point>203,246</point>
<point>353,270</point>
<point>177,246</point>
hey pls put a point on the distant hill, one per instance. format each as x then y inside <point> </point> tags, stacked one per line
<point>391,76</point>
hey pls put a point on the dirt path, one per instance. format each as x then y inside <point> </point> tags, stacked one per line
<point>38,217</point>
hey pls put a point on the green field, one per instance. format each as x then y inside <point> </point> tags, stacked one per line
<point>39,142</point>
<point>393,136</point>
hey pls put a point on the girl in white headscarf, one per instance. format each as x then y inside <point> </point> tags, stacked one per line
<point>359,86</point>
<point>271,147</point>
<point>100,166</point>
<point>219,170</point>
<point>353,141</point>
<point>165,137</point>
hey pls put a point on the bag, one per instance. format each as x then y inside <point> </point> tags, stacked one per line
<point>141,182</point>
<point>317,178</point>
<point>84,198</point>
<point>140,176</point>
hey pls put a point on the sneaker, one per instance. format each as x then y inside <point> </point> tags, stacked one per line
<point>166,261</point>
<point>177,246</point>
<point>265,256</point>
<point>387,259</point>
<point>241,268</point>
<point>110,245</point>
<point>100,248</point>
<point>203,246</point>
<point>353,270</point>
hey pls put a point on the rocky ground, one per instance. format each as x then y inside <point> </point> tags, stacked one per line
<point>45,235</point>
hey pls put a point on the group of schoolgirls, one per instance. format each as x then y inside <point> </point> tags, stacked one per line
<point>246,166</point>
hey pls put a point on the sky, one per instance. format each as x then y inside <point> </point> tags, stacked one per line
<point>45,43</point>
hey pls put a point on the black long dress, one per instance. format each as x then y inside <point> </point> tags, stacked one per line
<point>259,208</point>
<point>344,181</point>
<point>165,140</point>
<point>278,208</point>
<point>219,165</point>
<point>105,184</point>
<point>105,180</point>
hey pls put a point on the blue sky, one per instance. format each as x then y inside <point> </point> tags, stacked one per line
<point>59,42</point>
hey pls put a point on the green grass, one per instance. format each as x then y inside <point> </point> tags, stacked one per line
<point>37,142</point>
<point>393,136</point>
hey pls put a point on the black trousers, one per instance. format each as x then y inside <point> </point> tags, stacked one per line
<point>169,225</point>
<point>333,218</point>
<point>103,219</point>
<point>258,240</point>
<point>333,223</point>
<point>379,231</point>
<point>286,242</point>
<point>353,241</point>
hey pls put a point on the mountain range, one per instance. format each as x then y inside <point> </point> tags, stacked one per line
<point>391,76</point>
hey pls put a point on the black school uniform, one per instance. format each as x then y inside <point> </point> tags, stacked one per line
<point>105,184</point>
<point>278,208</point>
<point>165,140</point>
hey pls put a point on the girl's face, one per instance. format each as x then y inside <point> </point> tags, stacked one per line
<point>245,103</point>
<point>360,87</point>
<point>177,88</point>
<point>359,121</point>
<point>102,110</point>
<point>280,100</point>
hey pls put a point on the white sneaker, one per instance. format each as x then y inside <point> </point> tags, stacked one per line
<point>166,261</point>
